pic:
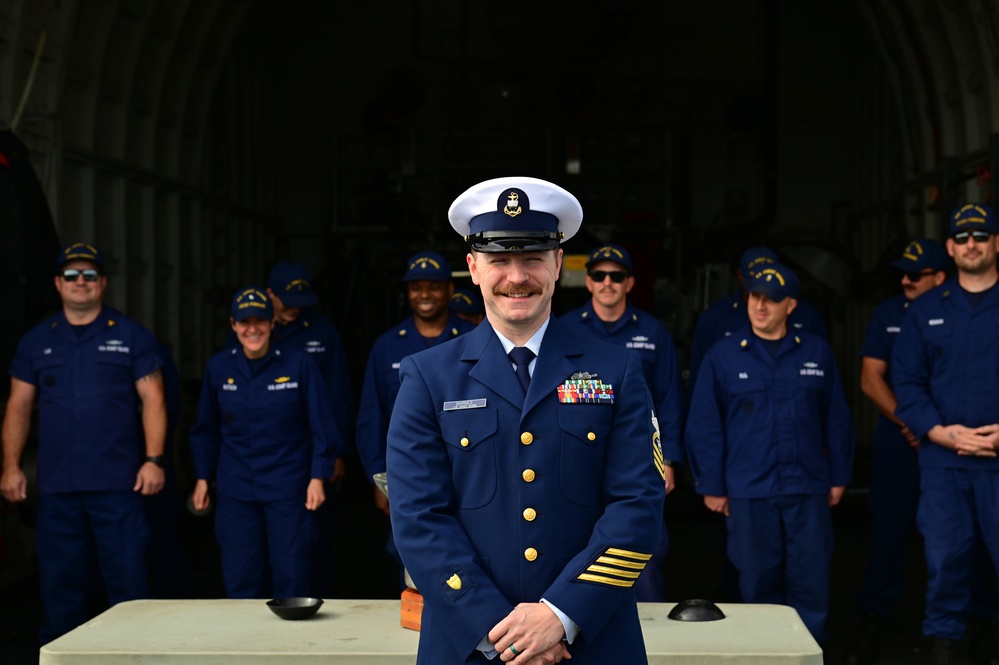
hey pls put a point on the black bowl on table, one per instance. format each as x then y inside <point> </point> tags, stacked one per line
<point>294,609</point>
<point>697,609</point>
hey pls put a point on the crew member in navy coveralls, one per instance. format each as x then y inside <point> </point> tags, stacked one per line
<point>99,453</point>
<point>298,324</point>
<point>945,372</point>
<point>894,487</point>
<point>770,445</point>
<point>429,288</point>
<point>267,436</point>
<point>728,315</point>
<point>524,459</point>
<point>610,316</point>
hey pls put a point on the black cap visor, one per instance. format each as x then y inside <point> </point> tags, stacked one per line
<point>493,242</point>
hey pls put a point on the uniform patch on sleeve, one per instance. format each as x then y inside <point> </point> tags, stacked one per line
<point>615,567</point>
<point>454,583</point>
<point>657,448</point>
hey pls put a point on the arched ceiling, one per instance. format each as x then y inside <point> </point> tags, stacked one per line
<point>136,86</point>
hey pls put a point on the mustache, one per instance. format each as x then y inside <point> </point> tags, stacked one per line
<point>525,290</point>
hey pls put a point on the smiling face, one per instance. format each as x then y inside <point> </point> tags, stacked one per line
<point>430,300</point>
<point>80,296</point>
<point>768,318</point>
<point>254,334</point>
<point>517,289</point>
<point>973,257</point>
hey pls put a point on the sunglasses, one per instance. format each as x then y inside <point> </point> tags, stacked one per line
<point>917,276</point>
<point>962,237</point>
<point>73,275</point>
<point>616,276</point>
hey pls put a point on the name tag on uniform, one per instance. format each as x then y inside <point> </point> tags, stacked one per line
<point>465,404</point>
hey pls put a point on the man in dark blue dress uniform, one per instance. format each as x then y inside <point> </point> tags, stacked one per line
<point>91,368</point>
<point>945,372</point>
<point>610,316</point>
<point>524,460</point>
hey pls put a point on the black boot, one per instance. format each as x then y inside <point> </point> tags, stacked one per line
<point>943,652</point>
<point>866,647</point>
<point>982,642</point>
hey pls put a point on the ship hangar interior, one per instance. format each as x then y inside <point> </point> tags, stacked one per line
<point>198,142</point>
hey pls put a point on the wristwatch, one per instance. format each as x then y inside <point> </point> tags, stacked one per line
<point>158,460</point>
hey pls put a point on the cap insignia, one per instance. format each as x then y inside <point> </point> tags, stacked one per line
<point>513,208</point>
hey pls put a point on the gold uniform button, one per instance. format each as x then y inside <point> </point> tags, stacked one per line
<point>526,438</point>
<point>530,554</point>
<point>528,475</point>
<point>530,514</point>
<point>591,436</point>
<point>464,442</point>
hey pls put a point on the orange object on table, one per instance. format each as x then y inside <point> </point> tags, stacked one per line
<point>412,609</point>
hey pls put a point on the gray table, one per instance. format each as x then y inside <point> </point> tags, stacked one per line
<point>367,632</point>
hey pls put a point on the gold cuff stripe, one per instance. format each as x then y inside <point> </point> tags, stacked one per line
<point>621,563</point>
<point>614,571</point>
<point>661,468</point>
<point>606,580</point>
<point>657,453</point>
<point>638,556</point>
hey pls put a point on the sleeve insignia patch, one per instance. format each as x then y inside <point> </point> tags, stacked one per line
<point>657,448</point>
<point>615,567</point>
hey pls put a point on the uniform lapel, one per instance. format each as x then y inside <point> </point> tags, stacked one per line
<point>494,370</point>
<point>492,366</point>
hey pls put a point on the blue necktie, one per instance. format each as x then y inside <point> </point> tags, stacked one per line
<point>522,357</point>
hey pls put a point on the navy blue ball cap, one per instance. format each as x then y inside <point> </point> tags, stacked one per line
<point>973,217</point>
<point>754,259</point>
<point>614,253</point>
<point>922,254</point>
<point>290,282</point>
<point>774,280</point>
<point>467,301</point>
<point>427,265</point>
<point>252,301</point>
<point>80,251</point>
<point>515,214</point>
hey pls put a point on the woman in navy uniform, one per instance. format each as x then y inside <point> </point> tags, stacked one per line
<point>265,434</point>
<point>525,503</point>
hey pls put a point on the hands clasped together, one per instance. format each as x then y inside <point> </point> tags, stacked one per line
<point>531,633</point>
